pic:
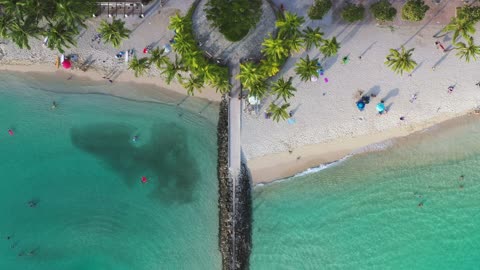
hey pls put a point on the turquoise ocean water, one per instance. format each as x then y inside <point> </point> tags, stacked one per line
<point>405,208</point>
<point>81,168</point>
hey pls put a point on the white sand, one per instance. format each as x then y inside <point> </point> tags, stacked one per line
<point>330,126</point>
<point>153,29</point>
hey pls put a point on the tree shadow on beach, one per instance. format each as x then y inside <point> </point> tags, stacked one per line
<point>165,159</point>
<point>392,93</point>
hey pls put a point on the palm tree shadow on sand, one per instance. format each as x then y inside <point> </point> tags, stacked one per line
<point>165,159</point>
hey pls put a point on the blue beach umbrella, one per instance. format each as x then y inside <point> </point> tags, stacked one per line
<point>380,107</point>
<point>361,105</point>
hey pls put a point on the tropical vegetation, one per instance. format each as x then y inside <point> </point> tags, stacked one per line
<point>467,50</point>
<point>319,9</point>
<point>330,47</point>
<point>352,13</point>
<point>383,11</point>
<point>278,112</point>
<point>139,66</point>
<point>234,18</point>
<point>192,60</point>
<point>414,10</point>
<point>113,32</point>
<point>283,88</point>
<point>307,68</point>
<point>312,37</point>
<point>401,60</point>
<point>276,49</point>
<point>460,27</point>
<point>59,20</point>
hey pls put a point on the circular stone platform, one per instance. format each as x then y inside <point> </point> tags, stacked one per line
<point>214,44</point>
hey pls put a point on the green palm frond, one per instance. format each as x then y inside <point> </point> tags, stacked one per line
<point>312,37</point>
<point>330,47</point>
<point>307,68</point>
<point>401,61</point>
<point>279,112</point>
<point>283,88</point>
<point>467,50</point>
<point>139,66</point>
<point>113,32</point>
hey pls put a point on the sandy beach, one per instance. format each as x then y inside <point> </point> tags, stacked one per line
<point>100,58</point>
<point>328,126</point>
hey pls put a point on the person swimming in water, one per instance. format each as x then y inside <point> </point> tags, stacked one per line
<point>54,105</point>
<point>32,203</point>
<point>135,138</point>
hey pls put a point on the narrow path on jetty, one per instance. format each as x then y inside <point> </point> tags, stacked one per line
<point>234,147</point>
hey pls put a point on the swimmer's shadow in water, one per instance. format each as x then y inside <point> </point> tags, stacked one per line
<point>165,159</point>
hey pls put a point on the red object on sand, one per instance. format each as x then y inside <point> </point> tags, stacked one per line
<point>144,179</point>
<point>66,64</point>
<point>10,132</point>
<point>145,50</point>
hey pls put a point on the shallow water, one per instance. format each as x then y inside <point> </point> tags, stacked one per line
<point>79,164</point>
<point>404,208</point>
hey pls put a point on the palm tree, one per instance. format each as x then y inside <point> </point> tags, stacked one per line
<point>312,37</point>
<point>20,32</point>
<point>258,90</point>
<point>307,68</point>
<point>183,43</point>
<point>170,70</point>
<point>193,59</point>
<point>278,112</point>
<point>294,43</point>
<point>158,58</point>
<point>283,89</point>
<point>5,23</point>
<point>400,61</point>
<point>74,13</point>
<point>269,67</point>
<point>222,85</point>
<point>178,23</point>
<point>113,32</point>
<point>330,47</point>
<point>274,48</point>
<point>249,74</point>
<point>193,83</point>
<point>60,36</point>
<point>139,66</point>
<point>459,27</point>
<point>288,26</point>
<point>468,50</point>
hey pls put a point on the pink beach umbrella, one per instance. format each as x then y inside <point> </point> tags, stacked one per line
<point>66,64</point>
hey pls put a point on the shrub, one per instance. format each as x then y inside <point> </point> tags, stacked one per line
<point>319,9</point>
<point>234,18</point>
<point>383,11</point>
<point>414,10</point>
<point>352,13</point>
<point>469,13</point>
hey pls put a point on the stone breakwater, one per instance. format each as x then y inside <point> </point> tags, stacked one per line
<point>225,189</point>
<point>235,252</point>
<point>243,219</point>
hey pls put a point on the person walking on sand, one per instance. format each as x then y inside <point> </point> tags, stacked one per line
<point>450,89</point>
<point>439,45</point>
<point>413,98</point>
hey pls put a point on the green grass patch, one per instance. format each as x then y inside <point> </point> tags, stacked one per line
<point>234,18</point>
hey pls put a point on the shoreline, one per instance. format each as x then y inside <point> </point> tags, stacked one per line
<point>95,76</point>
<point>280,166</point>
